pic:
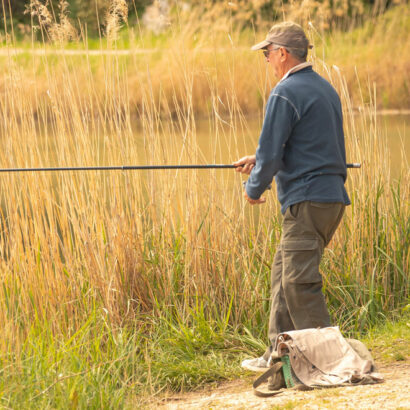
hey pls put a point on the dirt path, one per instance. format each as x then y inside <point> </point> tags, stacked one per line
<point>394,393</point>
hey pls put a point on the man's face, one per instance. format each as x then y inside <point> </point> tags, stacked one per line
<point>275,59</point>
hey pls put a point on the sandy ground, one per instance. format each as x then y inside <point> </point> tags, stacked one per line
<point>394,393</point>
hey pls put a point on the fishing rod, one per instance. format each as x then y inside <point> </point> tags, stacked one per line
<point>134,167</point>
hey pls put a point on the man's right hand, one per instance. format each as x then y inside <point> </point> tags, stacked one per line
<point>245,164</point>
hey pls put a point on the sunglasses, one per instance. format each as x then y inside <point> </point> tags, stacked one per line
<point>266,52</point>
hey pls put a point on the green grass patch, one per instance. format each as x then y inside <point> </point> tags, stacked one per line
<point>391,341</point>
<point>99,366</point>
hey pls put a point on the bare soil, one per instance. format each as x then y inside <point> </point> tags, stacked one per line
<point>394,393</point>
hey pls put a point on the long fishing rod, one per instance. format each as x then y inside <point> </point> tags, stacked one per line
<point>134,167</point>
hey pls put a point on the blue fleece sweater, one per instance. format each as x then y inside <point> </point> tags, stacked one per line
<point>301,143</point>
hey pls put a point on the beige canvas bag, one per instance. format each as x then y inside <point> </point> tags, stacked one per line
<point>313,358</point>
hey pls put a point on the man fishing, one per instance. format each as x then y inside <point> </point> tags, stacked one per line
<point>302,145</point>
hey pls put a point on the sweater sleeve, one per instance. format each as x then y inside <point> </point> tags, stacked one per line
<point>280,118</point>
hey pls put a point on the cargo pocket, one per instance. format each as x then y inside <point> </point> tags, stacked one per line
<point>292,211</point>
<point>301,259</point>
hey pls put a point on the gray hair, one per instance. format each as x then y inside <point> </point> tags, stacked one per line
<point>299,53</point>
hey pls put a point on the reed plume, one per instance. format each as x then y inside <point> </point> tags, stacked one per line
<point>61,31</point>
<point>117,14</point>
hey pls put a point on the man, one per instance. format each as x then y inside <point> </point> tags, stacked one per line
<point>302,145</point>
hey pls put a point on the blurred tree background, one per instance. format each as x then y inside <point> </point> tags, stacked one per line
<point>89,14</point>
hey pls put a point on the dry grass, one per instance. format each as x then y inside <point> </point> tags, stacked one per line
<point>215,63</point>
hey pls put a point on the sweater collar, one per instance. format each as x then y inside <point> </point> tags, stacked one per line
<point>296,68</point>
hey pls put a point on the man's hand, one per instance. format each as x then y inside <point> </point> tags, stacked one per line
<point>253,201</point>
<point>245,164</point>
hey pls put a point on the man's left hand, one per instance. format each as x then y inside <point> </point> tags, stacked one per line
<point>253,201</point>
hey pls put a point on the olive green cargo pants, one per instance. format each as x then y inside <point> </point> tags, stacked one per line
<point>296,284</point>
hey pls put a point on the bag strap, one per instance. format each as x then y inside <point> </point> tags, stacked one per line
<point>277,367</point>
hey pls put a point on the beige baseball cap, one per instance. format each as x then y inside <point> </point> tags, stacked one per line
<point>286,34</point>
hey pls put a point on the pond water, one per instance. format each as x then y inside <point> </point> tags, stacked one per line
<point>224,141</point>
<point>396,130</point>
<point>227,146</point>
